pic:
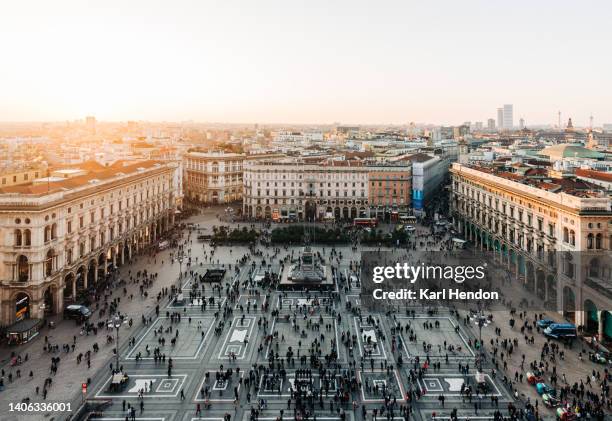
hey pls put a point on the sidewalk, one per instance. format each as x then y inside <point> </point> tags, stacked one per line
<point>66,384</point>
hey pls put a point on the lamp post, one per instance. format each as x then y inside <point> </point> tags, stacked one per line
<point>480,325</point>
<point>117,324</point>
<point>180,257</point>
<point>481,321</point>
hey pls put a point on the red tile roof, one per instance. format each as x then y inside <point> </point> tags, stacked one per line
<point>597,175</point>
<point>95,173</point>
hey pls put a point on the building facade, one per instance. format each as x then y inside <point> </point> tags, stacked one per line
<point>298,137</point>
<point>508,116</point>
<point>500,118</point>
<point>213,177</point>
<point>60,238</point>
<point>15,177</point>
<point>428,173</point>
<point>291,189</point>
<point>550,235</point>
<point>390,188</point>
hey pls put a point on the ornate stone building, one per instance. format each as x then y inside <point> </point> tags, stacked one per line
<point>294,189</point>
<point>213,177</point>
<point>59,236</point>
<point>554,235</point>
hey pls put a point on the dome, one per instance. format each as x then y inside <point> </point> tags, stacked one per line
<point>558,152</point>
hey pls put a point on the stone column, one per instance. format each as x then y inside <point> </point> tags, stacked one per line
<point>600,326</point>
<point>516,266</point>
<point>58,301</point>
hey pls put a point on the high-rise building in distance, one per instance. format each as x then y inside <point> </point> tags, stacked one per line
<point>500,118</point>
<point>90,122</point>
<point>508,117</point>
<point>491,124</point>
<point>521,123</point>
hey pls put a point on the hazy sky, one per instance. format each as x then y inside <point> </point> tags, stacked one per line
<point>305,61</point>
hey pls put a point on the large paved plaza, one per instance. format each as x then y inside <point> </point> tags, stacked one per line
<point>243,349</point>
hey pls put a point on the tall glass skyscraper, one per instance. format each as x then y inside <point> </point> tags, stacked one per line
<point>508,117</point>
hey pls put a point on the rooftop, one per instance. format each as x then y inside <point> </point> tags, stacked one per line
<point>214,154</point>
<point>100,174</point>
<point>540,179</point>
<point>595,175</point>
<point>557,152</point>
<point>419,157</point>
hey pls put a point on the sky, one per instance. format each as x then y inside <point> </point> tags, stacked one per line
<point>354,62</point>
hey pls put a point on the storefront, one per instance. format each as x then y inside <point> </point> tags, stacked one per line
<point>23,331</point>
<point>276,215</point>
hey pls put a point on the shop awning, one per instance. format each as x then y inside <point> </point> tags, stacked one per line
<point>23,326</point>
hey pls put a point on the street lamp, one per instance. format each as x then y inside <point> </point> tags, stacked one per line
<point>117,324</point>
<point>481,321</point>
<point>180,258</point>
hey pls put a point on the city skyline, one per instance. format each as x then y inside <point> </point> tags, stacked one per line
<point>262,177</point>
<point>298,64</point>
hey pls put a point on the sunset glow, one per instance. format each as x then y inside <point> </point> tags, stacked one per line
<point>279,61</point>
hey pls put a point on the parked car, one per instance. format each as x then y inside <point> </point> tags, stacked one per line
<point>543,388</point>
<point>560,331</point>
<point>77,312</point>
<point>544,323</point>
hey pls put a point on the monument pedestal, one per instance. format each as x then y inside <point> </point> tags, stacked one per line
<point>306,273</point>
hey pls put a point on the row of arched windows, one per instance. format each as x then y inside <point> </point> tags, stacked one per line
<point>569,236</point>
<point>23,237</point>
<point>595,241</point>
<point>50,232</point>
<point>23,266</point>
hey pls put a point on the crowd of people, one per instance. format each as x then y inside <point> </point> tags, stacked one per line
<point>304,341</point>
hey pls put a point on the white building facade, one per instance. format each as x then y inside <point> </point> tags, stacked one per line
<point>553,242</point>
<point>293,190</point>
<point>213,177</point>
<point>508,117</point>
<point>58,241</point>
